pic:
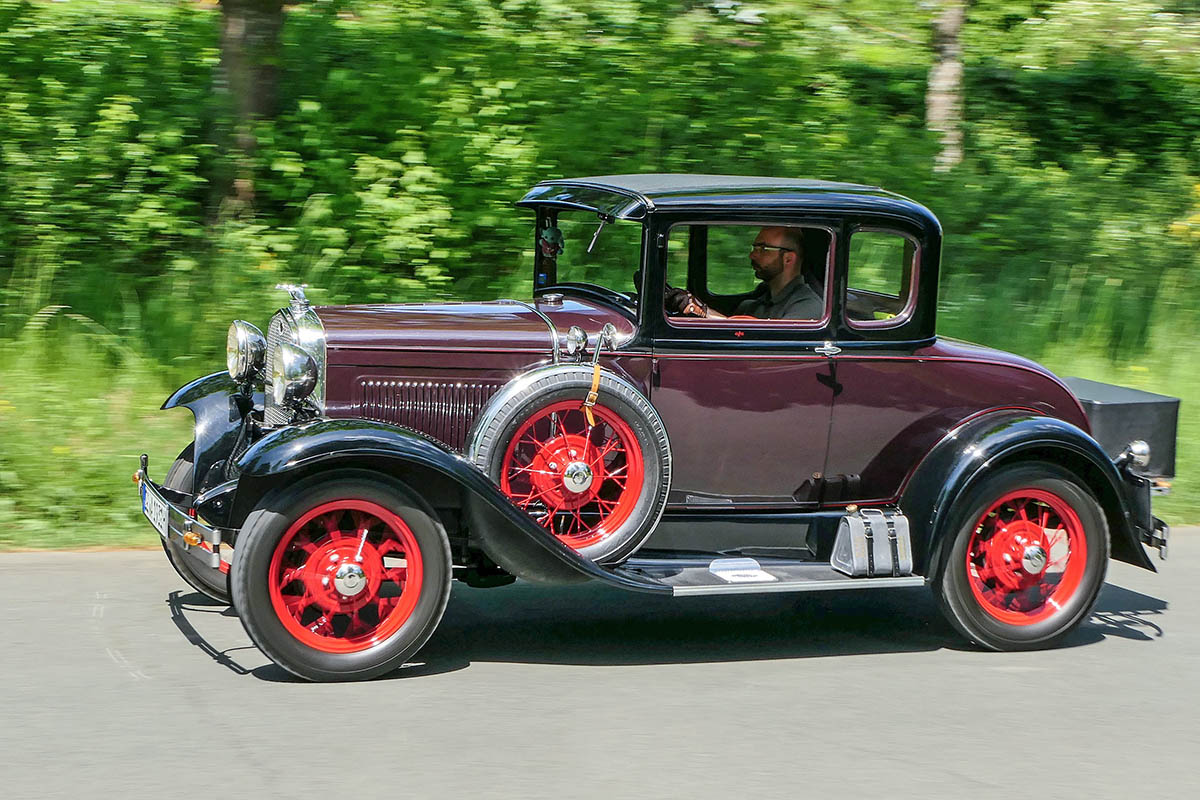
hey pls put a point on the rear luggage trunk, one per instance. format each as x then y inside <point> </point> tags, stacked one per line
<point>1119,415</point>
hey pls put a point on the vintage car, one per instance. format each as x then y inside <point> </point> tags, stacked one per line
<point>655,419</point>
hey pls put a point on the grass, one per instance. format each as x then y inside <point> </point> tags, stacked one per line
<point>1171,366</point>
<point>77,408</point>
<point>76,411</point>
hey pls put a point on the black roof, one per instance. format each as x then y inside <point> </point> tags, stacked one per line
<point>634,196</point>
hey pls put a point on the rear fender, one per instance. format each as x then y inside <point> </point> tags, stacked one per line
<point>979,446</point>
<point>219,409</point>
<point>509,536</point>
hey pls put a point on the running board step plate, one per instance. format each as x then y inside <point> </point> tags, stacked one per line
<point>749,576</point>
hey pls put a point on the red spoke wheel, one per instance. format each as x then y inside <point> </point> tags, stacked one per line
<point>600,486</point>
<point>345,576</point>
<point>581,481</point>
<point>341,577</point>
<point>1026,556</point>
<point>1028,562</point>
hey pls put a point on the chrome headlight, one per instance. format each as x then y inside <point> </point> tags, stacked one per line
<point>293,374</point>
<point>245,350</point>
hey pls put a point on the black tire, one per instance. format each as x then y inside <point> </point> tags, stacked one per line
<point>210,583</point>
<point>980,591</point>
<point>537,392</point>
<point>388,639</point>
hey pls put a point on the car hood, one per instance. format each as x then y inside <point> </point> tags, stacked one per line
<point>495,325</point>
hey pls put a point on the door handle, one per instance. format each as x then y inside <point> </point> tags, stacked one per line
<point>829,349</point>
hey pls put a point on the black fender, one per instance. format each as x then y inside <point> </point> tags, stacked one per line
<point>980,445</point>
<point>219,409</point>
<point>509,536</point>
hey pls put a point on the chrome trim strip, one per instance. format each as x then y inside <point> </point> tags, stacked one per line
<point>799,586</point>
<point>549,324</point>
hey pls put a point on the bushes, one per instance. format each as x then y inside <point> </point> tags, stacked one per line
<point>406,133</point>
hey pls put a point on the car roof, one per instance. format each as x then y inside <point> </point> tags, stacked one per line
<point>635,196</point>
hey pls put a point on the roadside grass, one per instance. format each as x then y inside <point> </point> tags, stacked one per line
<point>77,408</point>
<point>1170,366</point>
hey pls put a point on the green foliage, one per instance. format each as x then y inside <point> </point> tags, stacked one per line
<point>77,407</point>
<point>407,129</point>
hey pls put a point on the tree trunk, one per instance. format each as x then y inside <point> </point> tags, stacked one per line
<point>944,93</point>
<point>250,34</point>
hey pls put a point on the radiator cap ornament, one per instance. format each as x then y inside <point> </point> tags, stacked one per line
<point>296,291</point>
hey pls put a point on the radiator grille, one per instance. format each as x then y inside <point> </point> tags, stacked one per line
<point>278,331</point>
<point>444,410</point>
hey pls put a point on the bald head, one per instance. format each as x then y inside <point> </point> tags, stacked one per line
<point>775,256</point>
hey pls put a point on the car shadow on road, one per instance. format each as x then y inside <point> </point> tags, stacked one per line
<point>596,625</point>
<point>1127,614</point>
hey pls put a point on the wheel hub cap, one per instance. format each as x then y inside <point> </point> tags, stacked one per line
<point>577,477</point>
<point>1034,559</point>
<point>350,579</point>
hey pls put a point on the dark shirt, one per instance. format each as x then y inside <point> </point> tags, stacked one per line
<point>796,301</point>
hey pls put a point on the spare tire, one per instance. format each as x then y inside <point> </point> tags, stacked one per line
<point>600,488</point>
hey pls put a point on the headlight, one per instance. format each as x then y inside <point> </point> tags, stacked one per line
<point>245,349</point>
<point>293,374</point>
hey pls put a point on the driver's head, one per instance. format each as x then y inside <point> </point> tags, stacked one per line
<point>776,253</point>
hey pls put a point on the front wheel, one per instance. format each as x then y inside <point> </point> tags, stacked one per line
<point>212,583</point>
<point>1027,561</point>
<point>341,578</point>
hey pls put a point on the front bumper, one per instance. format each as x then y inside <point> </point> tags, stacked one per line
<point>168,511</point>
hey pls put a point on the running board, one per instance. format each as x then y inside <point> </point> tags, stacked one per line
<point>749,576</point>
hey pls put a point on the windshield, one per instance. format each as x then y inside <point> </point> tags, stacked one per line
<point>606,254</point>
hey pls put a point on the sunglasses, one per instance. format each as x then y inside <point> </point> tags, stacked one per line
<point>759,247</point>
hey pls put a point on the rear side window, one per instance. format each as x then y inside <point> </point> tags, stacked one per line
<point>882,269</point>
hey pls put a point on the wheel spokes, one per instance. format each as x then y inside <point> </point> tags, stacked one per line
<point>332,608</point>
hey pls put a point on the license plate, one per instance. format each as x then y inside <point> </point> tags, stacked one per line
<point>155,509</point>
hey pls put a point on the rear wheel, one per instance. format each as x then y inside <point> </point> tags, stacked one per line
<point>211,583</point>
<point>1028,559</point>
<point>342,578</point>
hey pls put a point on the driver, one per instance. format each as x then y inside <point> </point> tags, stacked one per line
<point>783,293</point>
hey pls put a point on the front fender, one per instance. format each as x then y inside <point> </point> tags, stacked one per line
<point>218,408</point>
<point>509,536</point>
<point>980,445</point>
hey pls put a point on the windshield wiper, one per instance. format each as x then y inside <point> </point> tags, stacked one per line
<point>604,220</point>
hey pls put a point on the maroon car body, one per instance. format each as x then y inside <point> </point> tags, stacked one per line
<point>729,455</point>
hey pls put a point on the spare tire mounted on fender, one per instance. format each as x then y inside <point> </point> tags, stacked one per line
<point>599,485</point>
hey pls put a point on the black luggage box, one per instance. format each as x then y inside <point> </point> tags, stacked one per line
<point>1119,415</point>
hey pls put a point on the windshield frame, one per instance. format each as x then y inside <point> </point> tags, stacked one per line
<point>545,268</point>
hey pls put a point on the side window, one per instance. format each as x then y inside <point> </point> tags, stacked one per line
<point>880,280</point>
<point>738,263</point>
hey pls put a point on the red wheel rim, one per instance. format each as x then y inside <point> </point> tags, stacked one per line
<point>345,576</point>
<point>1026,557</point>
<point>580,481</point>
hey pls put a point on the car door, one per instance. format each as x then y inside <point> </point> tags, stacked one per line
<point>746,402</point>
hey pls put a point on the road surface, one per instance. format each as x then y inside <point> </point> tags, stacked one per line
<point>119,681</point>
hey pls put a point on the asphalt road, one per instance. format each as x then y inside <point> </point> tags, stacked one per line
<point>119,681</point>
